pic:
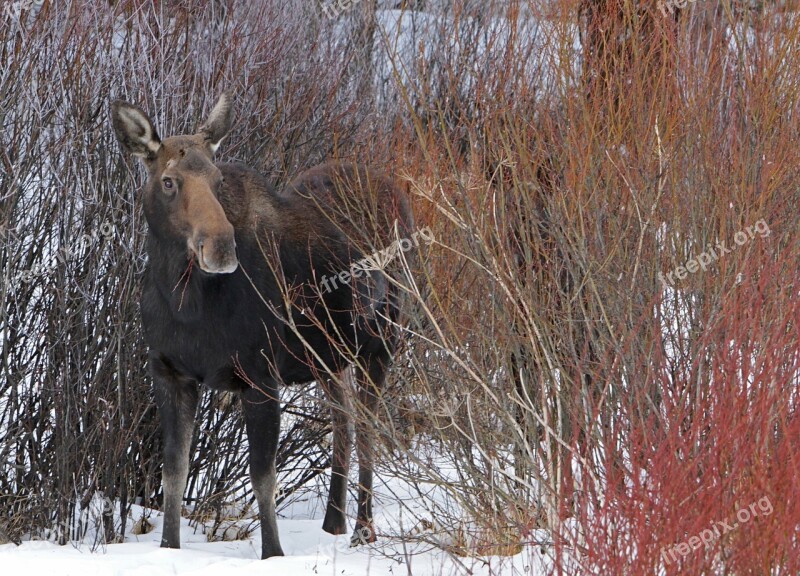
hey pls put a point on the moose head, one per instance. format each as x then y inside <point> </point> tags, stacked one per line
<point>181,193</point>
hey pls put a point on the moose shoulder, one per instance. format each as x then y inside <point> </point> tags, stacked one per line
<point>232,300</point>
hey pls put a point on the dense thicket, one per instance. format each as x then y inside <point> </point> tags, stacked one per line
<point>602,352</point>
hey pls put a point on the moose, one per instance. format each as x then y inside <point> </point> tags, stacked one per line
<point>231,301</point>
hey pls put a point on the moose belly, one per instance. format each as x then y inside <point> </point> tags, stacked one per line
<point>214,353</point>
<point>216,367</point>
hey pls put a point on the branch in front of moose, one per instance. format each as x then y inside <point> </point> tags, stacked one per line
<point>377,260</point>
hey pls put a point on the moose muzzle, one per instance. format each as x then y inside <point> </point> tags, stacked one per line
<point>215,252</point>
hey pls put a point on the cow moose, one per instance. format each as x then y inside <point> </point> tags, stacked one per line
<point>231,300</point>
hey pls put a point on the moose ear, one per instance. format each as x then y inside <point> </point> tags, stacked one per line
<point>134,130</point>
<point>216,127</point>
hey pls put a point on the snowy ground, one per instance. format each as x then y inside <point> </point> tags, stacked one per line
<point>309,551</point>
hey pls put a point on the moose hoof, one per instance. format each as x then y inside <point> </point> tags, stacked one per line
<point>272,552</point>
<point>334,523</point>
<point>362,535</point>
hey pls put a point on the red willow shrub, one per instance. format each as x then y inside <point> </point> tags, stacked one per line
<point>708,482</point>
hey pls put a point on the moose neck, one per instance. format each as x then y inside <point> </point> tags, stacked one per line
<point>178,279</point>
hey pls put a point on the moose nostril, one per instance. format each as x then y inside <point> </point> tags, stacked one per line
<point>220,256</point>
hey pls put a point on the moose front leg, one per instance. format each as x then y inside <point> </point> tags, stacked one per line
<point>176,398</point>
<point>262,414</point>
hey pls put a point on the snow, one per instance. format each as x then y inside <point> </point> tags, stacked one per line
<point>401,548</point>
<point>412,45</point>
<point>308,550</point>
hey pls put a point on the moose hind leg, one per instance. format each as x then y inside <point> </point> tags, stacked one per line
<point>176,398</point>
<point>370,379</point>
<point>335,522</point>
<point>262,413</point>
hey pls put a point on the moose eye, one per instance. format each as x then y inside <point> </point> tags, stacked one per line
<point>168,184</point>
